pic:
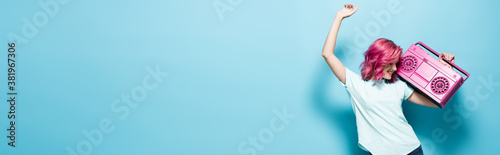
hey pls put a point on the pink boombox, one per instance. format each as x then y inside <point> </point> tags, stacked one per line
<point>435,80</point>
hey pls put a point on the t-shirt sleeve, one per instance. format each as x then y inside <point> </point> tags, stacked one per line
<point>408,90</point>
<point>351,79</point>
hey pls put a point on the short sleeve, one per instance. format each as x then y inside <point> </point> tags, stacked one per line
<point>351,79</point>
<point>408,90</point>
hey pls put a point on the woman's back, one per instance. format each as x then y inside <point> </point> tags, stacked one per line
<point>382,127</point>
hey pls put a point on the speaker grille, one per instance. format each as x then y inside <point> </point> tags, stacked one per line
<point>408,63</point>
<point>440,85</point>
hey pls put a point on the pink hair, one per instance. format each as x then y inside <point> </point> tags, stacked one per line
<point>382,51</point>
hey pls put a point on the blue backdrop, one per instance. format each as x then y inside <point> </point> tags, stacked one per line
<point>229,76</point>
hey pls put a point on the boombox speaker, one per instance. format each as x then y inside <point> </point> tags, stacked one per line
<point>425,73</point>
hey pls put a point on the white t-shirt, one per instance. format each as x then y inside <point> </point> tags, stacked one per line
<point>382,127</point>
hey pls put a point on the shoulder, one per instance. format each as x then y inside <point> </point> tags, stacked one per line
<point>351,74</point>
<point>353,80</point>
<point>400,84</point>
<point>404,86</point>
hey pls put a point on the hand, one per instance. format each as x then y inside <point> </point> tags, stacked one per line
<point>347,11</point>
<point>449,57</point>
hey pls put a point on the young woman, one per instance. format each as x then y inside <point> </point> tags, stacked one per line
<point>376,95</point>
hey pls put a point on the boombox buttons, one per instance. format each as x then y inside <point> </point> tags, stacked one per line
<point>439,85</point>
<point>409,63</point>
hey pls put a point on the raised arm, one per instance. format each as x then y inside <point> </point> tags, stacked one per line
<point>329,47</point>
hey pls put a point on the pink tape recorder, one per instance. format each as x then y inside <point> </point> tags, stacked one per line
<point>436,81</point>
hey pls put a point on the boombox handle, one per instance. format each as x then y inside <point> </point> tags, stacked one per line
<point>437,54</point>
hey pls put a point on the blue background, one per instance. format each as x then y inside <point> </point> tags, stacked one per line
<point>227,77</point>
